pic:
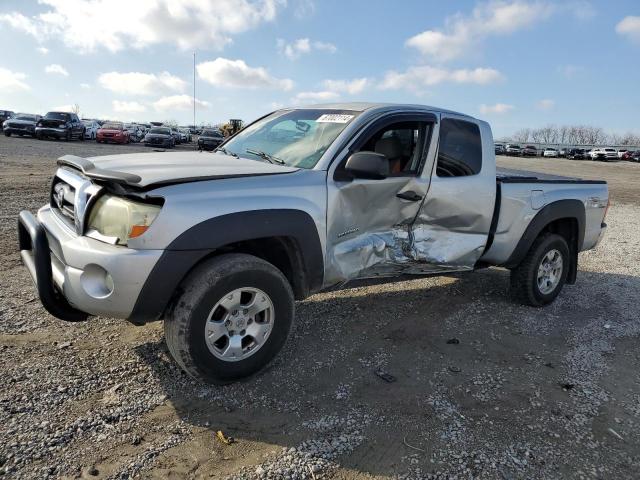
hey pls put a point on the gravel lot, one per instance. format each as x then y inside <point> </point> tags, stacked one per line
<point>523,393</point>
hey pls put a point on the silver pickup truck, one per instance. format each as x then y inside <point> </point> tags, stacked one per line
<point>219,245</point>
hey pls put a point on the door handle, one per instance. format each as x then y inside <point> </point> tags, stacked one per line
<point>409,195</point>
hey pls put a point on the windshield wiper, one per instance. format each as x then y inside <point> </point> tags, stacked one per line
<point>227,152</point>
<point>269,158</point>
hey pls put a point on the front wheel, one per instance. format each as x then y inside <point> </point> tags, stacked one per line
<point>233,316</point>
<point>7,133</point>
<point>539,278</point>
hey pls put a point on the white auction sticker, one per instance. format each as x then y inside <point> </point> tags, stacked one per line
<point>334,118</point>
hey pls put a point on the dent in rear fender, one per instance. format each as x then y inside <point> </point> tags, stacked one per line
<point>189,248</point>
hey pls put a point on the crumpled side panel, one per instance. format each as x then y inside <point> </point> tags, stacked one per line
<point>393,252</point>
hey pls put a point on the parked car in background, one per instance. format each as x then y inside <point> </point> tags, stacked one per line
<point>113,132</point>
<point>635,156</point>
<point>21,124</point>
<point>499,148</point>
<point>135,134</point>
<point>210,139</point>
<point>576,154</point>
<point>177,138</point>
<point>159,137</point>
<point>529,151</point>
<point>186,135</point>
<point>90,128</point>
<point>513,150</point>
<point>65,125</point>
<point>4,115</point>
<point>604,154</point>
<point>550,152</point>
<point>621,152</point>
<point>563,152</point>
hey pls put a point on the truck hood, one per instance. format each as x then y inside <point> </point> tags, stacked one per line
<point>144,170</point>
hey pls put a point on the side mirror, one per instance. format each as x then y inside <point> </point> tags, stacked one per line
<point>369,165</point>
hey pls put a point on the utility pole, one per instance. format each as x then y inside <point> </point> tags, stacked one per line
<point>194,90</point>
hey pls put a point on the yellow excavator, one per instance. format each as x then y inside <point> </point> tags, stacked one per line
<point>232,127</point>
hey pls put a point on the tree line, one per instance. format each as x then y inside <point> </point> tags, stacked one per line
<point>573,135</point>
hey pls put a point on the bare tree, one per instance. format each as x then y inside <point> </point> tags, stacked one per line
<point>76,109</point>
<point>522,135</point>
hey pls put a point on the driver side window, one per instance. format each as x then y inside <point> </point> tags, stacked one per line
<point>402,144</point>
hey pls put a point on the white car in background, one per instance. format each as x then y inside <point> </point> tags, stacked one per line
<point>550,152</point>
<point>604,154</point>
<point>90,128</point>
<point>621,152</point>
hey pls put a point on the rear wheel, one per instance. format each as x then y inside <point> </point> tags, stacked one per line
<point>539,278</point>
<point>231,319</point>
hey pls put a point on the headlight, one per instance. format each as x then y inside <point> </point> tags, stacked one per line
<point>120,218</point>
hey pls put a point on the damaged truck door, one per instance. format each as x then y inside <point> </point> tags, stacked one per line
<point>410,221</point>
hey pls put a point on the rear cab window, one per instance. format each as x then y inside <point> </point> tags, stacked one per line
<point>460,149</point>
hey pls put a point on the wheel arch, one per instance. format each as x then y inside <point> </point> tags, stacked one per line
<point>288,239</point>
<point>564,217</point>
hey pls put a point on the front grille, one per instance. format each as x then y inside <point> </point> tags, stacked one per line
<point>63,200</point>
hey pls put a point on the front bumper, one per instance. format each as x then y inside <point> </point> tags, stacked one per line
<point>78,276</point>
<point>158,143</point>
<point>111,139</point>
<point>51,132</point>
<point>19,130</point>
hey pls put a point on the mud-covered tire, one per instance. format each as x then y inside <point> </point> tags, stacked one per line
<point>210,283</point>
<point>525,288</point>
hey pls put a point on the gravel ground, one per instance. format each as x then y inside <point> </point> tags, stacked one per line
<point>520,392</point>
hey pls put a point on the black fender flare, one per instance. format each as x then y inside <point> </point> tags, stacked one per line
<point>203,239</point>
<point>561,209</point>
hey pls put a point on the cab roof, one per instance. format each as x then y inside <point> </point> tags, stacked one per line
<point>367,106</point>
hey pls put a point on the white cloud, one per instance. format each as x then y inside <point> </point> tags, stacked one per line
<point>127,107</point>
<point>12,81</point>
<point>303,46</point>
<point>462,34</point>
<point>43,50</point>
<point>137,83</point>
<point>425,76</point>
<point>312,97</point>
<point>56,69</point>
<point>352,87</point>
<point>223,72</point>
<point>629,27</point>
<point>63,108</point>
<point>498,108</point>
<point>570,71</point>
<point>20,22</point>
<point>88,25</point>
<point>178,102</point>
<point>85,86</point>
<point>545,104</point>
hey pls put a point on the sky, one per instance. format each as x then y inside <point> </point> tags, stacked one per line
<point>514,63</point>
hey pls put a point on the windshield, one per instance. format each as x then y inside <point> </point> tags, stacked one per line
<point>160,131</point>
<point>112,126</point>
<point>30,118</point>
<point>57,116</point>
<point>210,133</point>
<point>295,137</point>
